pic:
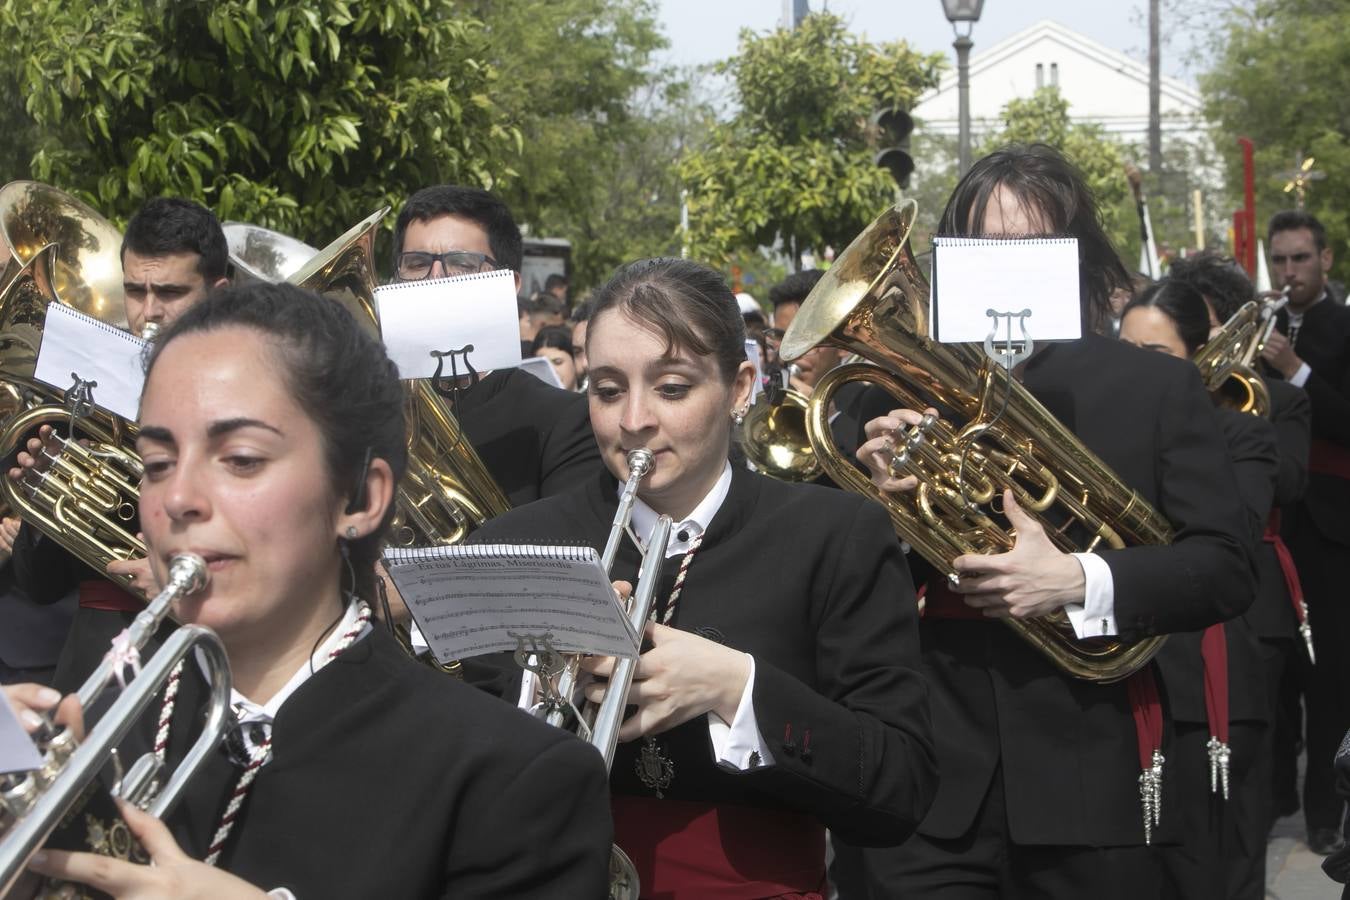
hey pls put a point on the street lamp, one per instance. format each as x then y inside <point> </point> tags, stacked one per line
<point>959,11</point>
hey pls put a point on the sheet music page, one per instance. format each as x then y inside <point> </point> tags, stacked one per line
<point>974,275</point>
<point>76,344</point>
<point>443,314</point>
<point>18,753</point>
<point>542,369</point>
<point>473,599</point>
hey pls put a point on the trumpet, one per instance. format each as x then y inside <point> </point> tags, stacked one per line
<point>1227,361</point>
<point>37,802</point>
<point>598,724</point>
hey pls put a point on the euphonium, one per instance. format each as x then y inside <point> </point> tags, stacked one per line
<point>261,254</point>
<point>1226,361</point>
<point>774,438</point>
<point>85,497</point>
<point>874,301</point>
<point>446,491</point>
<point>598,724</point>
<point>35,803</point>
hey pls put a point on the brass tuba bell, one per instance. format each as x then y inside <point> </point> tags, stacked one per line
<point>446,491</point>
<point>774,437</point>
<point>874,301</point>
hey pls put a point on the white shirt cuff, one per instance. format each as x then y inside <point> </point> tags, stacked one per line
<point>1301,376</point>
<point>739,746</point>
<point>281,894</point>
<point>1096,615</point>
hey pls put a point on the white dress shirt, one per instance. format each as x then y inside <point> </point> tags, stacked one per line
<point>1300,378</point>
<point>739,745</point>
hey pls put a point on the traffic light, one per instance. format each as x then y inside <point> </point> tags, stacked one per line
<point>892,128</point>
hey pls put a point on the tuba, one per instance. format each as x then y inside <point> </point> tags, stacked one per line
<point>86,497</point>
<point>1226,361</point>
<point>447,491</point>
<point>261,254</point>
<point>874,301</point>
<point>34,804</point>
<point>774,437</point>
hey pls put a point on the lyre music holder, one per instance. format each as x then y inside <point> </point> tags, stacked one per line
<point>1008,357</point>
<point>448,386</point>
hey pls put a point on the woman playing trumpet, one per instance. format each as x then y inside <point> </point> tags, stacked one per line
<point>272,433</point>
<point>779,693</point>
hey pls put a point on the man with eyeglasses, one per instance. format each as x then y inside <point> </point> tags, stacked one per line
<point>535,439</point>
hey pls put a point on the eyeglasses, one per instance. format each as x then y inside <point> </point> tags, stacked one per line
<point>415,265</point>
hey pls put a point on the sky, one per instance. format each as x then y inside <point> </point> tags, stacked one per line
<point>703,31</point>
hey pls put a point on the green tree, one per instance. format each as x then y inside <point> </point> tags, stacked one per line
<point>300,115</point>
<point>600,126</point>
<point>794,164</point>
<point>1281,76</point>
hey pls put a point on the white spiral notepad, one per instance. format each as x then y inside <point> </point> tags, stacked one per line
<point>448,314</point>
<point>974,275</point>
<point>77,345</point>
<point>472,599</point>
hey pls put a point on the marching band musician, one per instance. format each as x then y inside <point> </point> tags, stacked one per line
<point>173,254</point>
<point>534,438</point>
<point>1221,801</point>
<point>1277,611</point>
<point>272,432</point>
<point>779,693</point>
<point>1311,349</point>
<point>1040,788</point>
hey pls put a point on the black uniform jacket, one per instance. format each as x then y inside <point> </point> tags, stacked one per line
<point>535,439</point>
<point>389,779</point>
<point>1067,747</point>
<point>811,582</point>
<point>1324,344</point>
<point>1252,449</point>
<point>1272,613</point>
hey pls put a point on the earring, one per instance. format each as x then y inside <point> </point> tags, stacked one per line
<point>738,416</point>
<point>351,532</point>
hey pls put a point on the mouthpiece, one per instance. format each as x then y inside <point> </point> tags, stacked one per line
<point>640,462</point>
<point>150,331</point>
<point>187,571</point>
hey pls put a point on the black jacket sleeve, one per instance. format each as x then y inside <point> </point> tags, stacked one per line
<point>547,834</point>
<point>1255,456</point>
<point>570,456</point>
<point>43,569</point>
<point>1206,574</point>
<point>858,749</point>
<point>1291,414</point>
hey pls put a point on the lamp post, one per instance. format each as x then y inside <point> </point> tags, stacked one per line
<point>958,12</point>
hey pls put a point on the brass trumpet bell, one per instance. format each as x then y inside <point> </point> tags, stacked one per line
<point>1226,361</point>
<point>874,302</point>
<point>87,273</point>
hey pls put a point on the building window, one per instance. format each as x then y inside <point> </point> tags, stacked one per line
<point>1040,75</point>
<point>1054,74</point>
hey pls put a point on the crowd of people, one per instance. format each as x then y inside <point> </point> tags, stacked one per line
<point>800,724</point>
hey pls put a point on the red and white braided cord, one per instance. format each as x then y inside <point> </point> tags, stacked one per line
<point>261,751</point>
<point>679,578</point>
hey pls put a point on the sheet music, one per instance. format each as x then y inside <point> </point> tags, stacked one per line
<point>472,599</point>
<point>18,753</point>
<point>442,314</point>
<point>974,275</point>
<point>541,368</point>
<point>73,342</point>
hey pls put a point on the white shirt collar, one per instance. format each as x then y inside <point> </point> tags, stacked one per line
<point>249,712</point>
<point>682,533</point>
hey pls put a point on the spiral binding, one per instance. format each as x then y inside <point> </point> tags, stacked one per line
<point>62,309</point>
<point>441,282</point>
<point>561,552</point>
<point>992,241</point>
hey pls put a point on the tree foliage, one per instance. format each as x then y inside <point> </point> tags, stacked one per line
<point>1281,76</point>
<point>795,161</point>
<point>601,127</point>
<point>300,115</point>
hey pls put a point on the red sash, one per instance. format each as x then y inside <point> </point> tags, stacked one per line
<point>100,594</point>
<point>1326,458</point>
<point>1287,568</point>
<point>698,851</point>
<point>1214,654</point>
